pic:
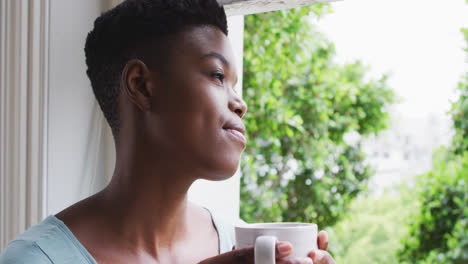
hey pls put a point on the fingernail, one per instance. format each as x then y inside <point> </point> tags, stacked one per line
<point>308,261</point>
<point>284,249</point>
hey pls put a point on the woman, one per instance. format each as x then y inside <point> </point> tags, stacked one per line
<point>163,73</point>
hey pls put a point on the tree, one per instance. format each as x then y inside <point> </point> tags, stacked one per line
<point>438,231</point>
<point>460,112</point>
<point>371,231</point>
<point>306,118</point>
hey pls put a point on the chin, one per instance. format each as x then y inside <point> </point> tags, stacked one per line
<point>219,177</point>
<point>223,172</point>
<point>220,165</point>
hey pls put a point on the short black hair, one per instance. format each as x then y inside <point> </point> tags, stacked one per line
<point>121,34</point>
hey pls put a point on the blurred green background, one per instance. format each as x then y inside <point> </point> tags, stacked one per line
<point>298,166</point>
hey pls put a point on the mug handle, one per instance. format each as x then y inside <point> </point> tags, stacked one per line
<point>265,250</point>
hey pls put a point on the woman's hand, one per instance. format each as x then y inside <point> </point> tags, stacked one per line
<point>283,249</point>
<point>246,256</point>
<point>321,256</point>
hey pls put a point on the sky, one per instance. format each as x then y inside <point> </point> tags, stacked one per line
<point>417,42</point>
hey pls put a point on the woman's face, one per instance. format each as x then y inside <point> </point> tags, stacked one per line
<point>196,118</point>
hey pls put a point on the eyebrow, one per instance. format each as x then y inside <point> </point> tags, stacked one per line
<point>216,55</point>
<point>219,57</point>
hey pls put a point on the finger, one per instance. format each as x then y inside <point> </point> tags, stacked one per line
<point>239,256</point>
<point>321,257</point>
<point>322,240</point>
<point>246,255</point>
<point>283,249</point>
<point>296,261</point>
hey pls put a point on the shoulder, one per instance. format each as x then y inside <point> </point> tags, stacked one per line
<point>26,248</point>
<point>48,242</point>
<point>23,251</point>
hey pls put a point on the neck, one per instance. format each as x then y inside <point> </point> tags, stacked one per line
<point>148,202</point>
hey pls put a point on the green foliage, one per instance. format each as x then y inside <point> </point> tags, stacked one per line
<point>297,166</point>
<point>460,111</point>
<point>438,232</point>
<point>372,229</point>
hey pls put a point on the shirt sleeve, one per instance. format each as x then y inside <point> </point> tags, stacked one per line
<point>22,252</point>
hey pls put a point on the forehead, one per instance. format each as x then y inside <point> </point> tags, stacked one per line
<point>197,41</point>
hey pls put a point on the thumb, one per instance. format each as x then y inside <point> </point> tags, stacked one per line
<point>238,256</point>
<point>247,255</point>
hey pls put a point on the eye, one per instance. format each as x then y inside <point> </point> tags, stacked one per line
<point>219,76</point>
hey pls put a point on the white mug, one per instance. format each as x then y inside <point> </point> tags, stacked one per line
<point>263,236</point>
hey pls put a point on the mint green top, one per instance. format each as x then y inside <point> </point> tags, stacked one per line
<point>51,242</point>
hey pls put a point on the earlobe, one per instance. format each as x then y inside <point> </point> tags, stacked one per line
<point>136,84</point>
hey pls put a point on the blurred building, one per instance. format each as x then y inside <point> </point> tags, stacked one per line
<point>405,149</point>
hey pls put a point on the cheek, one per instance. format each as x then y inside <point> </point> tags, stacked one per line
<point>190,114</point>
<point>188,127</point>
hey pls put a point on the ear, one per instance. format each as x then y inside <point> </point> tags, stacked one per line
<point>137,85</point>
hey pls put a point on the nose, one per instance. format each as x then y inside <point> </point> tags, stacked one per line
<point>237,105</point>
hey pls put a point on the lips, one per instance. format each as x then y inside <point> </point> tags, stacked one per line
<point>236,131</point>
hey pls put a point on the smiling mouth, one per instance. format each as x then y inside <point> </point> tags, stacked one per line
<point>237,134</point>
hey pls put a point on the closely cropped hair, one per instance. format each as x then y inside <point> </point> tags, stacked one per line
<point>133,29</point>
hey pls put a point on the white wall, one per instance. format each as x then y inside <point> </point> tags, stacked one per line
<point>77,151</point>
